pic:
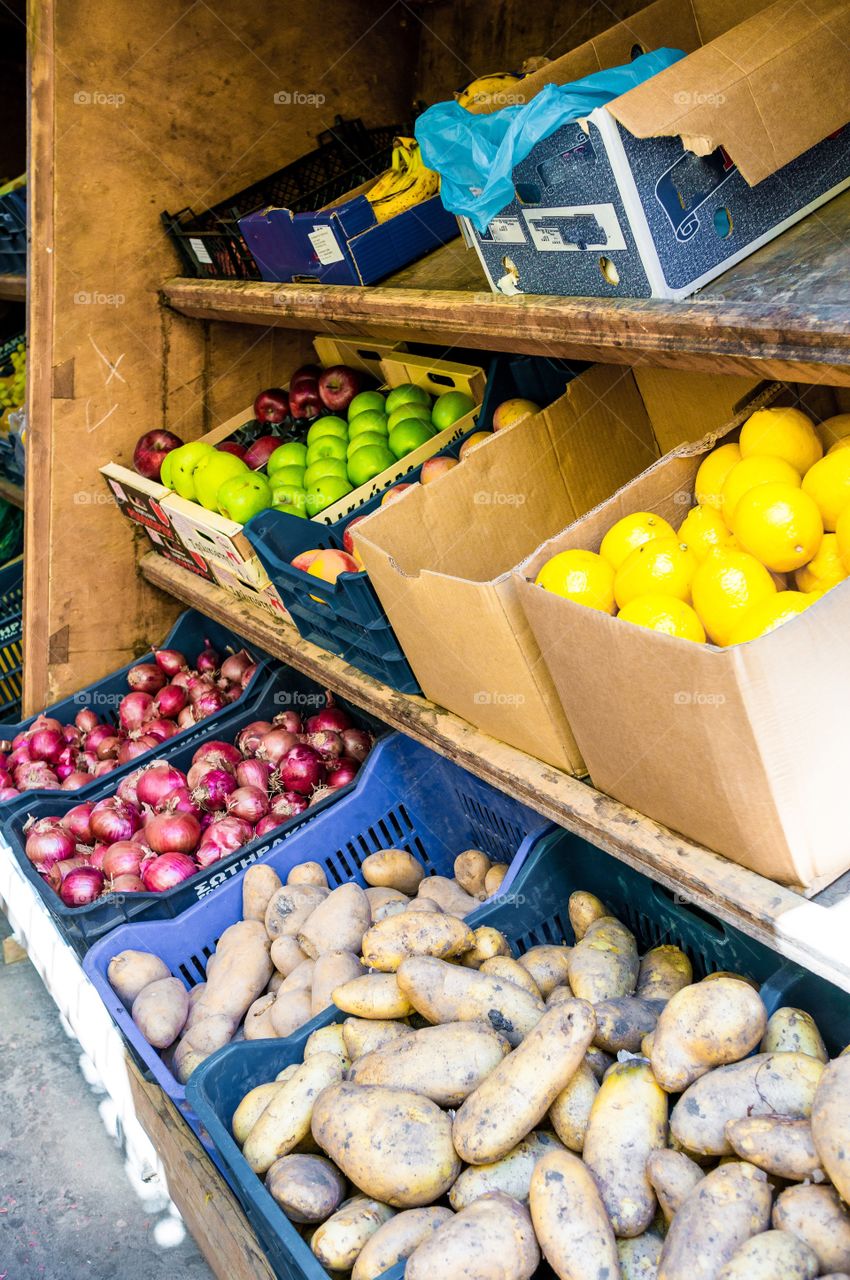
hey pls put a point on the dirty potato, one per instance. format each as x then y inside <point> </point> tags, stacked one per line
<point>605,963</point>
<point>396,1240</point>
<point>773,1255</point>
<point>584,909</point>
<point>779,1145</point>
<point>816,1216</point>
<point>365,1035</point>
<point>639,1256</point>
<point>374,995</point>
<point>444,1063</point>
<point>726,1208</point>
<point>793,1031</point>
<point>338,923</point>
<point>329,1039</point>
<point>285,1121</point>
<point>673,1176</point>
<point>831,1124</point>
<point>548,966</point>
<point>570,1221</point>
<point>511,970</point>
<point>511,1174</point>
<point>392,940</point>
<point>492,1237</point>
<point>393,869</point>
<point>339,1240</point>
<point>470,868</point>
<point>570,1112</point>
<point>443,992</point>
<point>664,971</point>
<point>704,1026</point>
<point>622,1023</point>
<point>488,944</point>
<point>308,1188</point>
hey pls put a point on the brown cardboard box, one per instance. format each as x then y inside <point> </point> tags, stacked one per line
<point>742,749</point>
<point>440,557</point>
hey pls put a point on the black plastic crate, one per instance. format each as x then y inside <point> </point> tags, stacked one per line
<point>13,232</point>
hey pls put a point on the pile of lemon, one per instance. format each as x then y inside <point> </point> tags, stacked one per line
<point>769,534</point>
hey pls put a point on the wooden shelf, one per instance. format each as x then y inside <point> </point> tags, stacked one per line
<point>811,932</point>
<point>781,313</point>
<point>12,492</point>
<point>13,288</point>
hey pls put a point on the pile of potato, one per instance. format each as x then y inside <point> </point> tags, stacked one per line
<point>277,968</point>
<point>475,1111</point>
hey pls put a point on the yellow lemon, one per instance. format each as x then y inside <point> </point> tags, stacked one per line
<point>725,586</point>
<point>703,529</point>
<point>750,472</point>
<point>713,470</point>
<point>824,570</point>
<point>782,433</point>
<point>660,567</point>
<point>779,525</point>
<point>666,614</point>
<point>828,482</point>
<point>582,576</point>
<point>839,444</point>
<point>631,532</point>
<point>770,614</point>
<point>842,534</point>
<point>835,431</point>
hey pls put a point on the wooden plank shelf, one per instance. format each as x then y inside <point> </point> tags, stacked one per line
<point>781,313</point>
<point>13,288</point>
<point>813,933</point>
<point>12,492</point>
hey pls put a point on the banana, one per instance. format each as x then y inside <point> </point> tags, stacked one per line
<point>409,184</point>
<point>396,176</point>
<point>487,90</point>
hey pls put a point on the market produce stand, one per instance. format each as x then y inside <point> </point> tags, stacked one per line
<point>13,288</point>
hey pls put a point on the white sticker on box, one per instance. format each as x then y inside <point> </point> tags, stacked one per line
<point>564,230</point>
<point>506,231</point>
<point>325,244</point>
<point>200,251</point>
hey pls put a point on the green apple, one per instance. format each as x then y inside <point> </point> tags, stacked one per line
<point>210,474</point>
<point>244,496</point>
<point>288,475</point>
<point>449,408</point>
<point>369,462</point>
<point>290,511</point>
<point>368,421</point>
<point>289,495</point>
<point>165,469</point>
<point>409,435</point>
<point>330,426</point>
<point>407,392</point>
<point>292,454</point>
<point>326,447</point>
<point>413,409</point>
<point>368,437</point>
<point>183,463</point>
<point>365,400</point>
<point>325,467</point>
<point>325,492</point>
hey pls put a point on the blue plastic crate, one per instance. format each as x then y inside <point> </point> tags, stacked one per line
<point>531,911</point>
<point>542,379</point>
<point>83,926</point>
<point>13,232</point>
<point>11,637</point>
<point>407,797</point>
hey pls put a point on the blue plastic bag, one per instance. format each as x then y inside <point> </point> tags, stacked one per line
<point>475,155</point>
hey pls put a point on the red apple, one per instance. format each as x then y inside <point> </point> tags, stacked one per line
<point>433,468</point>
<point>258,454</point>
<point>396,492</point>
<point>347,538</point>
<point>338,386</point>
<point>304,560</point>
<point>230,446</point>
<point>271,405</point>
<point>512,411</point>
<point>328,565</point>
<point>305,401</point>
<point>306,373</point>
<point>473,441</point>
<point>151,449</point>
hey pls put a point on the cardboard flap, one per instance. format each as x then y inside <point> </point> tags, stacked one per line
<point>767,90</point>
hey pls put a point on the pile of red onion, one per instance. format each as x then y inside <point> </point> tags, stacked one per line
<point>165,696</point>
<point>162,825</point>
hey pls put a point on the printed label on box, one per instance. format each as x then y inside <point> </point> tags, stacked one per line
<point>506,231</point>
<point>325,246</point>
<point>575,228</point>
<point>200,251</point>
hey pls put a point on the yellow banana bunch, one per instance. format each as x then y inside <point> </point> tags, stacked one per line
<point>490,92</point>
<point>13,185</point>
<point>404,185</point>
<point>396,175</point>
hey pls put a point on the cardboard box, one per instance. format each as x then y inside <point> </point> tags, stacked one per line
<point>742,749</point>
<point>441,557</point>
<point>673,182</point>
<point>140,500</point>
<point>266,598</point>
<point>172,549</point>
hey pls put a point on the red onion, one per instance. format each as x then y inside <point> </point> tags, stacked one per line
<point>18,740</point>
<point>46,744</point>
<point>76,821</point>
<point>81,886</point>
<point>66,755</point>
<point>127,884</point>
<point>170,701</point>
<point>170,661</point>
<point>9,793</point>
<point>208,703</point>
<point>249,738</point>
<point>275,745</point>
<point>320,794</point>
<point>71,734</point>
<point>37,776</point>
<point>221,837</point>
<point>45,722</point>
<point>248,675</point>
<point>160,730</point>
<point>231,693</point>
<point>59,870</point>
<point>133,748</point>
<point>302,769</point>
<point>44,847</point>
<point>182,678</point>
<point>104,766</point>
<point>186,718</point>
<point>182,801</point>
<point>330,718</point>
<point>98,853</point>
<point>253,773</point>
<point>235,666</point>
<point>123,858</point>
<point>197,773</point>
<point>208,659</point>
<point>357,743</point>
<point>86,720</point>
<point>269,823</point>
<point>343,772</point>
<point>288,805</point>
<point>126,789</point>
<point>214,789</point>
<point>63,771</point>
<point>107,748</point>
<point>87,761</point>
<point>20,755</point>
<point>172,832</point>
<point>289,720</point>
<point>168,870</point>
<point>135,709</point>
<point>113,819</point>
<point>156,783</point>
<point>327,743</point>
<point>222,754</point>
<point>249,803</point>
<point>147,676</point>
<point>5,778</point>
<point>76,780</point>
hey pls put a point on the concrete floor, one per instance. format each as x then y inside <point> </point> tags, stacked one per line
<point>67,1207</point>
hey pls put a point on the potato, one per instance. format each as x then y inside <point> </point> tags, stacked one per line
<point>673,1176</point>
<point>329,1039</point>
<point>443,992</point>
<point>548,966</point>
<point>300,979</point>
<point>765,1084</point>
<point>570,1221</point>
<point>511,1174</point>
<point>494,877</point>
<point>309,873</point>
<point>444,1063</point>
<point>131,971</point>
<point>386,902</point>
<point>705,1026</point>
<point>560,994</point>
<point>726,1208</point>
<point>288,1072</point>
<point>773,1255</point>
<point>286,955</point>
<point>259,885</point>
<point>393,1144</point>
<point>489,944</point>
<point>241,973</point>
<point>738,977</point>
<point>331,971</point>
<point>291,1009</point>
<point>605,963</point>
<point>470,868</point>
<point>307,1188</point>
<point>448,895</point>
<point>274,983</point>
<point>628,1121</point>
<point>366,1035</point>
<point>374,995</point>
<point>396,1240</point>
<point>290,907</point>
<point>510,970</point>
<point>646,1045</point>
<point>258,1024</point>
<point>584,909</point>
<point>385,945</point>
<point>286,1119</point>
<point>622,1023</point>
<point>200,1041</point>
<point>393,869</point>
<point>816,1216</point>
<point>663,971</point>
<point>570,1111</point>
<point>831,1124</point>
<point>339,1240</point>
<point>777,1144</point>
<point>598,1061</point>
<point>492,1237</point>
<point>639,1256</point>
<point>251,1108</point>
<point>338,923</point>
<point>485,1129</point>
<point>160,1011</point>
<point>793,1031</point>
<point>427,905</point>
